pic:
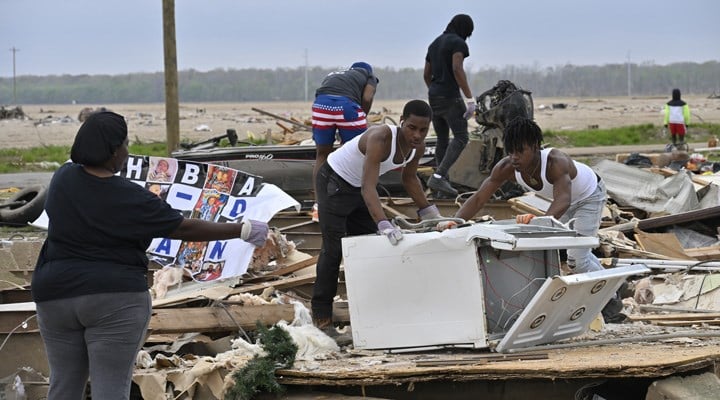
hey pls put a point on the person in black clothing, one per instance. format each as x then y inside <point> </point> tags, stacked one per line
<point>445,78</point>
<point>90,281</point>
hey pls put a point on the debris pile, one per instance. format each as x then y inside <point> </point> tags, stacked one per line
<point>12,113</point>
<point>203,333</point>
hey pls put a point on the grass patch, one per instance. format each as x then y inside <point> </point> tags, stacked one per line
<point>49,158</point>
<point>627,135</point>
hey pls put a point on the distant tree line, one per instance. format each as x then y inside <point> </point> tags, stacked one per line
<point>288,84</point>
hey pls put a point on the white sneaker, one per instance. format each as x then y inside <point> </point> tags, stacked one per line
<point>314,213</point>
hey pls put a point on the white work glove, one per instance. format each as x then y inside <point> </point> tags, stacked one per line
<point>254,232</point>
<point>393,233</point>
<point>429,212</point>
<point>471,106</point>
<point>442,225</point>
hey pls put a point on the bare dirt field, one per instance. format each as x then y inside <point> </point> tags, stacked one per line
<point>56,124</point>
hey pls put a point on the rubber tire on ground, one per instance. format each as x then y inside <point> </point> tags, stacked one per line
<point>34,197</point>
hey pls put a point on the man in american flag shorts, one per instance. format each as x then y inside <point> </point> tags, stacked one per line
<point>341,105</point>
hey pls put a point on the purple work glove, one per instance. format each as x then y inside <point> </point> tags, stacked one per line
<point>393,233</point>
<point>470,109</point>
<point>429,212</point>
<point>254,232</point>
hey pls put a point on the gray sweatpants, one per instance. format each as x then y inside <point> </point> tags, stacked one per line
<point>95,335</point>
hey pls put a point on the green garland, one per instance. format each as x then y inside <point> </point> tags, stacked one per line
<point>258,375</point>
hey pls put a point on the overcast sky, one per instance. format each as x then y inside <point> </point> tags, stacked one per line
<point>122,36</point>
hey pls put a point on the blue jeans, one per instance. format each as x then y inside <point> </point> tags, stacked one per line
<point>448,115</point>
<point>587,215</point>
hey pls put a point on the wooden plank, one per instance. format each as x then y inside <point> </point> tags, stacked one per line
<point>279,284</point>
<point>286,270</point>
<point>675,317</point>
<point>284,128</point>
<point>303,126</point>
<point>480,359</point>
<point>666,308</point>
<point>12,321</point>
<point>666,244</point>
<point>284,229</point>
<point>289,269</point>
<point>704,253</point>
<point>217,319</point>
<point>687,323</point>
<point>392,213</point>
<point>630,360</point>
<point>703,214</point>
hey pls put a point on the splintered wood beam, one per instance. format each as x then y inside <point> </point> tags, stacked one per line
<point>675,317</point>
<point>218,319</point>
<point>286,270</point>
<point>289,269</point>
<point>704,253</point>
<point>481,359</point>
<point>391,212</point>
<point>280,284</point>
<point>284,128</point>
<point>687,323</point>
<point>281,118</point>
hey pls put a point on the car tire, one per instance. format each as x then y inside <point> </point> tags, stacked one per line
<point>31,202</point>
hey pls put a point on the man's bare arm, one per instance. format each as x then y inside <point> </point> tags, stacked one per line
<point>411,182</point>
<point>376,150</point>
<point>367,98</point>
<point>559,170</point>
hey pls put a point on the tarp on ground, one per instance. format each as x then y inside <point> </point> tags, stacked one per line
<point>648,191</point>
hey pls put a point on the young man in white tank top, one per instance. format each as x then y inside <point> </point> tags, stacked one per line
<point>574,189</point>
<point>348,201</point>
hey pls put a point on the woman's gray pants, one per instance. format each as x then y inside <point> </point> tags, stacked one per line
<point>96,336</point>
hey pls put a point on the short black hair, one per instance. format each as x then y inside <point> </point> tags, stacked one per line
<point>418,108</point>
<point>521,131</point>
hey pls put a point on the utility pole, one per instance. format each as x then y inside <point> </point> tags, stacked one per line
<point>306,74</point>
<point>14,50</point>
<point>629,75</point>
<point>172,109</point>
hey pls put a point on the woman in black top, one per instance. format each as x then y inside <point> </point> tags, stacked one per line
<point>90,283</point>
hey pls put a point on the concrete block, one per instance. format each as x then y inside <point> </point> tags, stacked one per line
<point>693,387</point>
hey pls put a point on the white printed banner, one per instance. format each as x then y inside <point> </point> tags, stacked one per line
<point>209,192</point>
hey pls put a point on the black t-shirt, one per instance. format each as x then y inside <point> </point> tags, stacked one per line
<point>439,55</point>
<point>98,233</point>
<point>349,83</point>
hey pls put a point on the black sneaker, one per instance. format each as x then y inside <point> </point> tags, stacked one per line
<point>442,185</point>
<point>618,318</point>
<point>342,339</point>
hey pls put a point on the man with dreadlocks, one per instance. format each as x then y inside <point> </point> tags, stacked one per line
<point>575,190</point>
<point>445,78</point>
